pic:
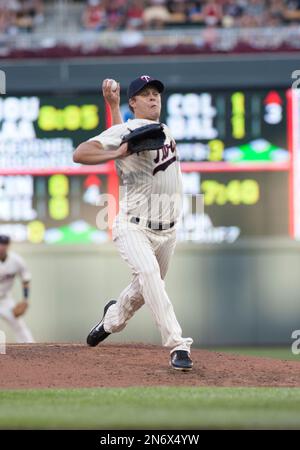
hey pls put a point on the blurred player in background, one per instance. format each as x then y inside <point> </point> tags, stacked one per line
<point>12,265</point>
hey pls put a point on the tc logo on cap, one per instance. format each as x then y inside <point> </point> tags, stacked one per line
<point>139,83</point>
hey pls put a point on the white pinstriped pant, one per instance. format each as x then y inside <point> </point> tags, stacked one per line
<point>148,254</point>
<point>19,327</point>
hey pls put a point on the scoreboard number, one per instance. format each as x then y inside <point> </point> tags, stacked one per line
<point>72,117</point>
<point>236,192</point>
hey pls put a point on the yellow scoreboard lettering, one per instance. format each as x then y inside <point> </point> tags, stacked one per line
<point>210,190</point>
<point>238,103</point>
<point>60,121</point>
<point>47,118</point>
<point>71,118</point>
<point>35,232</point>
<point>58,187</point>
<point>238,127</point>
<point>58,208</point>
<point>236,192</point>
<point>216,148</point>
<point>250,192</point>
<point>89,117</point>
<point>221,197</point>
<point>238,115</point>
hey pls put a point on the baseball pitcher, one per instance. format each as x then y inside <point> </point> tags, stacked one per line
<point>144,231</point>
<point>12,265</point>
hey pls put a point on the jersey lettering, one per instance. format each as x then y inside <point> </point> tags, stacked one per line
<point>162,155</point>
<point>7,276</point>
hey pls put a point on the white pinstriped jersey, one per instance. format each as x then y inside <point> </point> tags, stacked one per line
<point>13,266</point>
<point>147,175</point>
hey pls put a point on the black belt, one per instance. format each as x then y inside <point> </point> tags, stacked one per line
<point>153,225</point>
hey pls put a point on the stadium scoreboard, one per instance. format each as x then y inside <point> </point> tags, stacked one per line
<point>237,148</point>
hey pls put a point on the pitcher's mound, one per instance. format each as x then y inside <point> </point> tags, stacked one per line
<point>77,366</point>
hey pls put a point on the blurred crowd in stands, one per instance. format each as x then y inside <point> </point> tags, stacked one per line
<point>25,15</point>
<point>18,15</point>
<point>158,14</point>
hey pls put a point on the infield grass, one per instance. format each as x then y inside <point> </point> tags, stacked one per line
<point>284,353</point>
<point>151,408</point>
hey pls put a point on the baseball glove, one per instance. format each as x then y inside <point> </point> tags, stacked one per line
<point>20,309</point>
<point>148,137</point>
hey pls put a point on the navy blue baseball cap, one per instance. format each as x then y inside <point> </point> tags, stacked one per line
<point>139,83</point>
<point>4,239</point>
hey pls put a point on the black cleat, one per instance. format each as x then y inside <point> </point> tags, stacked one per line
<point>180,360</point>
<point>98,334</point>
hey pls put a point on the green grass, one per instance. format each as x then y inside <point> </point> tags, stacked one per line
<point>151,408</point>
<point>271,352</point>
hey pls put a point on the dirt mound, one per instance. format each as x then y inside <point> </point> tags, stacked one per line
<point>76,366</point>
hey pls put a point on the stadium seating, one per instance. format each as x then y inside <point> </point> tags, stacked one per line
<point>103,27</point>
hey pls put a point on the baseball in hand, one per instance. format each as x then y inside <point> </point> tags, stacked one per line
<point>113,85</point>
